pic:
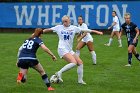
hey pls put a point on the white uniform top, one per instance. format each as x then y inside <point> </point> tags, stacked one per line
<point>117,26</point>
<point>88,37</point>
<point>66,35</point>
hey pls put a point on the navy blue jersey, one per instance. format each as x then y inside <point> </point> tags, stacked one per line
<point>129,30</point>
<point>29,48</point>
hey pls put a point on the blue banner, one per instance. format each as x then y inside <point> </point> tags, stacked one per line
<point>97,15</point>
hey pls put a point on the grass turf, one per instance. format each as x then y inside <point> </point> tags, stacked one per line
<point>108,76</point>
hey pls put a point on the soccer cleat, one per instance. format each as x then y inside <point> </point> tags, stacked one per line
<point>120,46</point>
<point>59,76</point>
<point>128,65</point>
<point>19,78</point>
<point>50,88</point>
<point>107,44</point>
<point>138,58</point>
<point>82,82</point>
<point>94,64</point>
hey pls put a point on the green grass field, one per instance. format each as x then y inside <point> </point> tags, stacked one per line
<point>108,76</point>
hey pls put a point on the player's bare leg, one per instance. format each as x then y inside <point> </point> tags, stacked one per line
<point>91,49</point>
<point>111,39</point>
<point>79,69</point>
<point>22,75</point>
<point>44,76</point>
<point>130,50</point>
<point>119,38</point>
<point>71,63</point>
<point>80,45</point>
<point>136,53</point>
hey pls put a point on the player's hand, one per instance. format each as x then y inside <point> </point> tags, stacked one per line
<point>100,33</point>
<point>109,28</point>
<point>54,58</point>
<point>135,40</point>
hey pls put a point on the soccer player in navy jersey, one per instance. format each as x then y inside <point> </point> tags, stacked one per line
<point>132,33</point>
<point>27,58</point>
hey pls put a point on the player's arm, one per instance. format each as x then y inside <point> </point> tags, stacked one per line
<point>113,24</point>
<point>47,30</point>
<point>93,31</point>
<point>80,37</point>
<point>48,51</point>
<point>19,50</point>
<point>137,34</point>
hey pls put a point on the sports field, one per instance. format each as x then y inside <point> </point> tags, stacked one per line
<point>108,76</point>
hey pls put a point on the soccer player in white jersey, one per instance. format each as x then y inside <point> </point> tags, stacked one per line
<point>66,33</point>
<point>116,28</point>
<point>86,40</point>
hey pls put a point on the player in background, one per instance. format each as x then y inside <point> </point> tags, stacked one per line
<point>66,33</point>
<point>27,58</point>
<point>132,33</point>
<point>86,40</point>
<point>116,28</point>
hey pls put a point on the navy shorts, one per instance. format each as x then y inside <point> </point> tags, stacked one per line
<point>26,63</point>
<point>131,42</point>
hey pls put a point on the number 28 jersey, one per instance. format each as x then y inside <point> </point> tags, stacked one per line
<point>66,35</point>
<point>29,48</point>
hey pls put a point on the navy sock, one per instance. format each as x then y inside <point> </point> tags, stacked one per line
<point>46,80</point>
<point>129,58</point>
<point>137,56</point>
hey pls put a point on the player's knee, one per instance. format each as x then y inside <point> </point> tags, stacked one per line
<point>129,50</point>
<point>77,48</point>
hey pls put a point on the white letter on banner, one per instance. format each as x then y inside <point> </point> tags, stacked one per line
<point>115,8</point>
<point>55,15</point>
<point>101,16</point>
<point>87,7</point>
<point>45,15</point>
<point>71,10</point>
<point>24,14</point>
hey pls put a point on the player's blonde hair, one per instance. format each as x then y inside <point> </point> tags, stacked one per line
<point>127,14</point>
<point>65,16</point>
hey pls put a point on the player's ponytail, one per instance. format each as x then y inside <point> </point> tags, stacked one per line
<point>37,33</point>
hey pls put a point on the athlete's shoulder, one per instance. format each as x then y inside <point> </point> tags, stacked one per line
<point>133,24</point>
<point>123,25</point>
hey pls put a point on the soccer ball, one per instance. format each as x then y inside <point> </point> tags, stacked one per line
<point>54,79</point>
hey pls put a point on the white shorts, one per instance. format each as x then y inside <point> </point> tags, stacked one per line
<point>63,51</point>
<point>87,39</point>
<point>116,29</point>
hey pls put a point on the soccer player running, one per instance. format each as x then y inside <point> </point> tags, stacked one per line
<point>27,58</point>
<point>116,28</point>
<point>132,33</point>
<point>66,33</point>
<point>86,40</point>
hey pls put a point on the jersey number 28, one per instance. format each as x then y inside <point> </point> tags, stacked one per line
<point>28,44</point>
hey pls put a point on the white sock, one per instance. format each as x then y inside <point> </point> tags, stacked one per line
<point>93,56</point>
<point>67,67</point>
<point>77,52</point>
<point>80,73</point>
<point>120,41</point>
<point>110,41</point>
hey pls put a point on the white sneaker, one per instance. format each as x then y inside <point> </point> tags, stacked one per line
<point>107,44</point>
<point>59,77</point>
<point>120,46</point>
<point>128,65</point>
<point>82,82</point>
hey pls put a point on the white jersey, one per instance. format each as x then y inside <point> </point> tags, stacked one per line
<point>88,37</point>
<point>66,35</point>
<point>117,26</point>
